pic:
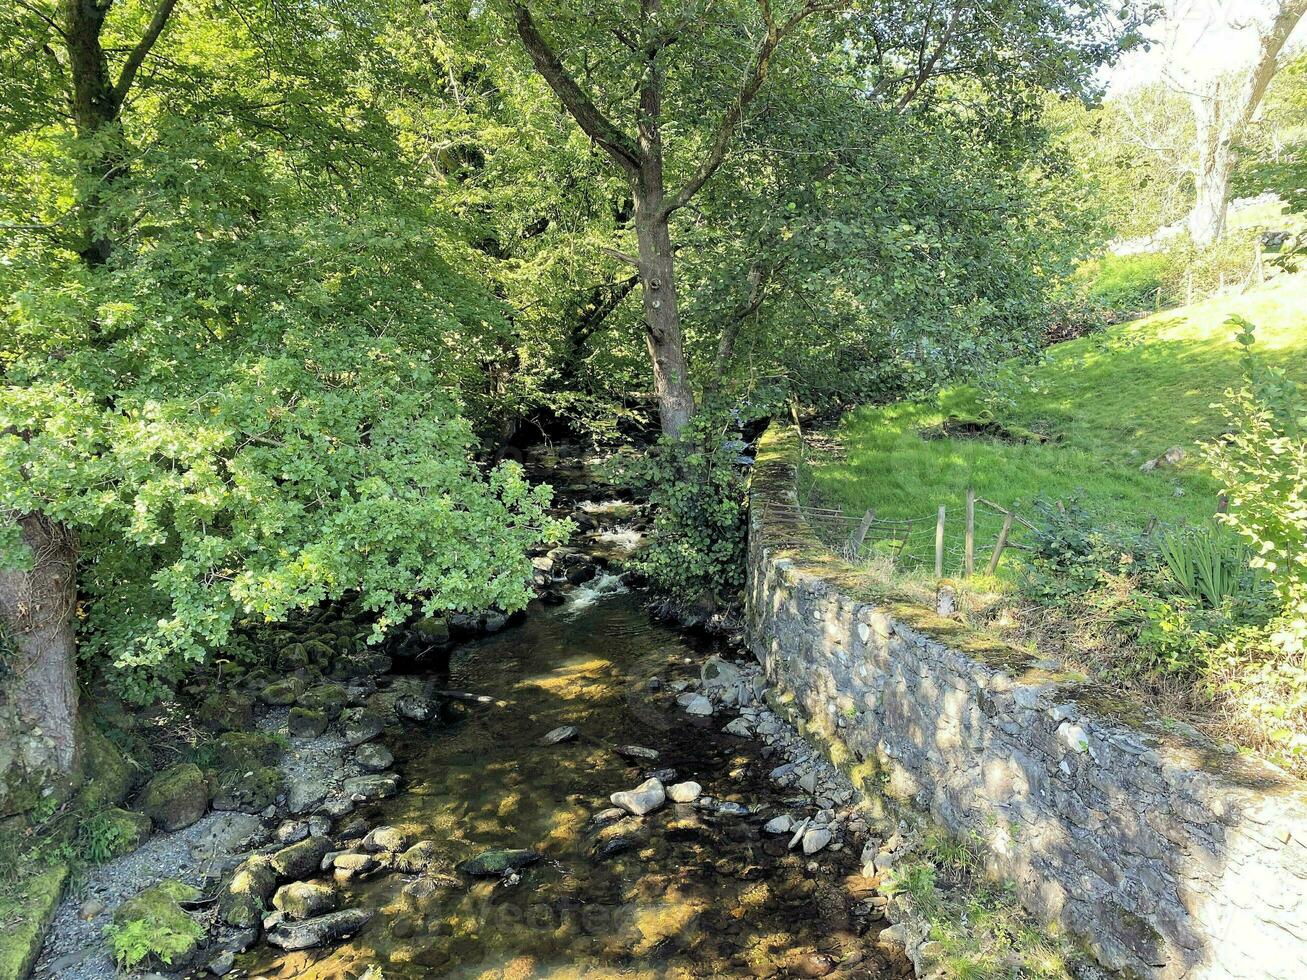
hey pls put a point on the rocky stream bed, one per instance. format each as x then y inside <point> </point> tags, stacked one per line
<point>581,792</point>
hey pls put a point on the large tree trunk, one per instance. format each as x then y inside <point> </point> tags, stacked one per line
<point>1211,177</point>
<point>38,696</point>
<point>1223,108</point>
<point>662,315</point>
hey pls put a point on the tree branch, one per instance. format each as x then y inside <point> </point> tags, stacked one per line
<point>38,12</point>
<point>594,123</point>
<point>926,69</point>
<point>621,256</point>
<point>753,80</point>
<point>139,53</point>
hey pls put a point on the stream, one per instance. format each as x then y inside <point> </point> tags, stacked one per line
<point>685,891</point>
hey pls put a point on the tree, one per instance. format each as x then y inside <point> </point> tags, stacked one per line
<point>236,348</point>
<point>38,599</point>
<point>1225,103</point>
<point>665,90</point>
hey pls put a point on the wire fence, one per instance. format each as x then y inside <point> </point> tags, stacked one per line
<point>967,537</point>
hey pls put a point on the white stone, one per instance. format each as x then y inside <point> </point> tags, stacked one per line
<point>699,705</point>
<point>1075,737</point>
<point>738,727</point>
<point>686,792</point>
<point>779,825</point>
<point>645,798</point>
<point>815,839</point>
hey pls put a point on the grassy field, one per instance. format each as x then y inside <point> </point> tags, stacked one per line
<point>1105,403</point>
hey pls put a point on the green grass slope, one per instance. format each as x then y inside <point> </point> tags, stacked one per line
<point>1106,403</point>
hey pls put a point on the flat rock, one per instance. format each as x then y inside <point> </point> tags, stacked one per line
<point>499,862</point>
<point>374,787</point>
<point>321,929</point>
<point>645,798</point>
<point>360,725</point>
<point>637,752</point>
<point>563,733</point>
<point>739,727</point>
<point>779,825</point>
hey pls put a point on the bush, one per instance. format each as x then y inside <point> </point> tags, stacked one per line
<point>1262,462</point>
<point>697,488</point>
<point>1127,283</point>
<point>1115,288</point>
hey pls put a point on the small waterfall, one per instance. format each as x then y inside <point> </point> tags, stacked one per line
<point>585,596</point>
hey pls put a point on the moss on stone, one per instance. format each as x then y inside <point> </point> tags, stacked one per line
<point>248,790</point>
<point>246,750</point>
<point>176,797</point>
<point>108,773</point>
<point>154,925</point>
<point>26,909</point>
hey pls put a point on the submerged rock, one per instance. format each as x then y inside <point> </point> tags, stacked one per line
<point>637,752</point>
<point>319,930</point>
<point>645,798</point>
<point>498,862</point>
<point>385,838</point>
<point>618,844</point>
<point>608,816</point>
<point>564,733</point>
<point>425,855</point>
<point>412,707</point>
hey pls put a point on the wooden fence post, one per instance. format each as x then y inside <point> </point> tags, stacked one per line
<point>939,543</point>
<point>1000,544</point>
<point>969,558</point>
<point>860,535</point>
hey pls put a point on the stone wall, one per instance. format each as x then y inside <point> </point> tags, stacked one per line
<point>1167,856</point>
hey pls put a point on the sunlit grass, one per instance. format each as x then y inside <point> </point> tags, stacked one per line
<point>1107,403</point>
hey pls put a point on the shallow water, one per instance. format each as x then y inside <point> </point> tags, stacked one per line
<point>694,895</point>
